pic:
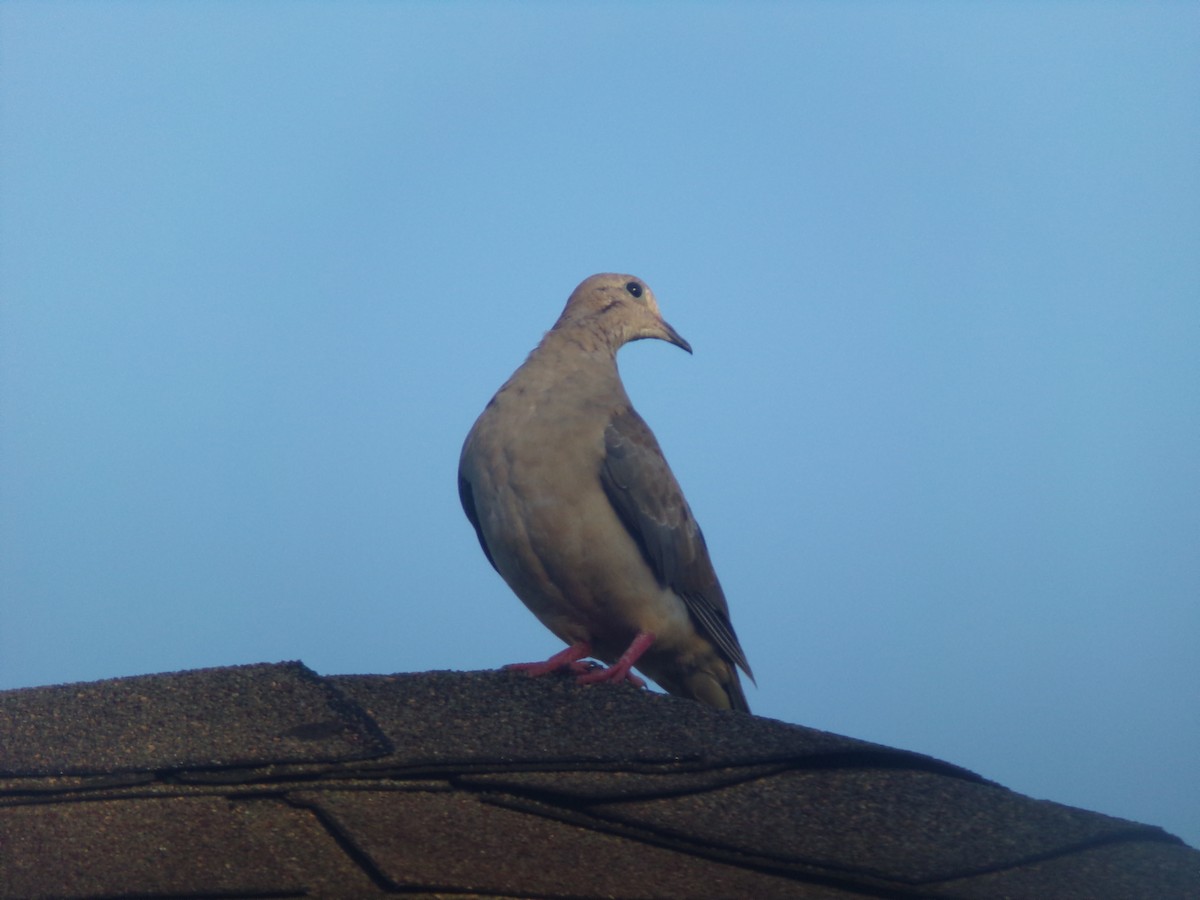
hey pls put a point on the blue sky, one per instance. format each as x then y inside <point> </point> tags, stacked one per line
<point>262,265</point>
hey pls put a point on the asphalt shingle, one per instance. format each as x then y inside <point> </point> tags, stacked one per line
<point>269,780</point>
<point>242,715</point>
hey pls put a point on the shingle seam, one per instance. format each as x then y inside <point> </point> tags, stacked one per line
<point>778,762</point>
<point>142,792</point>
<point>252,791</point>
<point>470,781</point>
<point>271,774</point>
<point>1146,834</point>
<point>443,768</point>
<point>53,792</point>
<point>754,773</point>
<point>166,774</point>
<point>358,771</point>
<point>809,872</point>
<point>891,761</point>
<point>353,852</point>
<point>245,763</point>
<point>345,841</point>
<point>856,759</point>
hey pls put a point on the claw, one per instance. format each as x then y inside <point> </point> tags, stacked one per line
<point>573,660</point>
<point>619,671</point>
<point>568,659</point>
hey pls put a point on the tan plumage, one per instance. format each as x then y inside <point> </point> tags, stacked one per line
<point>576,508</point>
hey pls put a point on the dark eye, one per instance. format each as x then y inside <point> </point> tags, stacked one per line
<point>634,288</point>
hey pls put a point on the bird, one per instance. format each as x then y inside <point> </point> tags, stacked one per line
<point>576,508</point>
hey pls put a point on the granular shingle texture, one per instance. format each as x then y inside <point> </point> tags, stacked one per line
<point>272,781</point>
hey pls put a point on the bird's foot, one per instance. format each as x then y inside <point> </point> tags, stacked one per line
<point>620,671</point>
<point>613,675</point>
<point>569,660</point>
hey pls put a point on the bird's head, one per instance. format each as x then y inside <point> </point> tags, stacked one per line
<point>621,308</point>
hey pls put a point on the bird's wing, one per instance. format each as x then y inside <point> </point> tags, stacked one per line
<point>647,499</point>
<point>467,498</point>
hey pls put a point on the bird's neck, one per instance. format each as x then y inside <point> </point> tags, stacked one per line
<point>576,348</point>
<point>578,357</point>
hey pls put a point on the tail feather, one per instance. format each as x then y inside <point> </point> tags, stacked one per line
<point>718,687</point>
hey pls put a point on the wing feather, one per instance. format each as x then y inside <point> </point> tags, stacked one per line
<point>467,498</point>
<point>648,501</point>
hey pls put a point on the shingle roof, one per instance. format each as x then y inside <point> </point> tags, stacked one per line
<point>269,780</point>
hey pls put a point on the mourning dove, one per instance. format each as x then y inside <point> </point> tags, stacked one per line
<point>576,508</point>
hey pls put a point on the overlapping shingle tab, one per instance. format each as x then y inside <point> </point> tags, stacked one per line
<point>270,780</point>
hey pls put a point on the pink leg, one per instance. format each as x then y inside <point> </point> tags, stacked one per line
<point>619,671</point>
<point>568,659</point>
